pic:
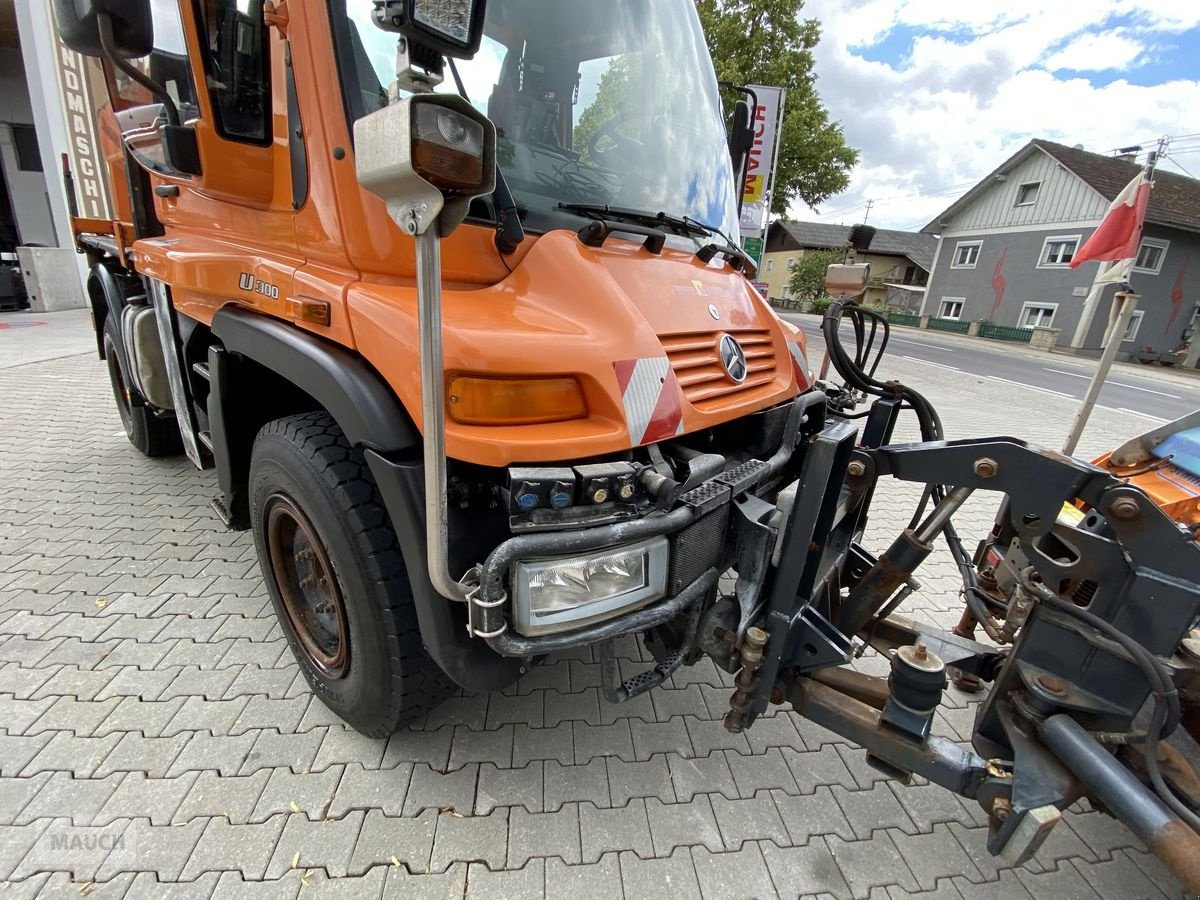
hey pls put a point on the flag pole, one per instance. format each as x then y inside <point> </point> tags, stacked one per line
<point>1117,327</point>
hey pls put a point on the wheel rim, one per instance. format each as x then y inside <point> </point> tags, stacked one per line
<point>120,389</point>
<point>308,590</point>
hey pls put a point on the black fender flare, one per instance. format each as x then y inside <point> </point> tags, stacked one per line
<point>350,390</point>
<point>372,418</point>
<point>106,299</point>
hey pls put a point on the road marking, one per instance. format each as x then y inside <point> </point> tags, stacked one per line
<point>1072,374</point>
<point>928,363</point>
<point>922,344</point>
<point>1134,387</point>
<point>1031,387</point>
<point>1134,412</point>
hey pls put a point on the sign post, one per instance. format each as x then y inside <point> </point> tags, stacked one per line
<point>760,166</point>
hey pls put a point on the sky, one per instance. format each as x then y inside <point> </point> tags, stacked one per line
<point>937,93</point>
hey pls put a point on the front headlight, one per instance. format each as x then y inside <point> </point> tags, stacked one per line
<point>566,592</point>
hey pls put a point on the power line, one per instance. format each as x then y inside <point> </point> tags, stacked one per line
<point>1172,158</point>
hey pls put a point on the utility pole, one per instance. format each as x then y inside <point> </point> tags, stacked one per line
<point>867,215</point>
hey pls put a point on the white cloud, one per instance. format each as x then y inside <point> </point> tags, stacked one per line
<point>979,80</point>
<point>1097,52</point>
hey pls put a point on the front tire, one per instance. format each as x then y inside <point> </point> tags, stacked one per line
<point>336,576</point>
<point>154,436</point>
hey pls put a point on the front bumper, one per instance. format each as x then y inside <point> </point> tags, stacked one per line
<point>699,532</point>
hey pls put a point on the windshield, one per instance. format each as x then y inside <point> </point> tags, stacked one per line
<point>594,103</point>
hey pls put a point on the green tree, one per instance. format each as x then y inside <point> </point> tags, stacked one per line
<point>808,276</point>
<point>767,42</point>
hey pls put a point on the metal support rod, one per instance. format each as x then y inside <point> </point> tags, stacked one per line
<point>1128,799</point>
<point>433,413</point>
<point>941,761</point>
<point>928,530</point>
<point>1112,343</point>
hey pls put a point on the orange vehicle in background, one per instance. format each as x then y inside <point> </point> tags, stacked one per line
<point>454,360</point>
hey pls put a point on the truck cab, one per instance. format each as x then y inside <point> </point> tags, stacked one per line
<point>607,381</point>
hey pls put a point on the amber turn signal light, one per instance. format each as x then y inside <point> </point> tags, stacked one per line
<point>514,401</point>
<point>308,309</point>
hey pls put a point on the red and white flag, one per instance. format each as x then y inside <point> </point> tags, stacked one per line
<point>1120,233</point>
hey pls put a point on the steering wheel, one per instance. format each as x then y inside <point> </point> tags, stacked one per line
<point>607,144</point>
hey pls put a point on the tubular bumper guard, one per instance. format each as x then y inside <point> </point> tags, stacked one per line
<point>698,529</point>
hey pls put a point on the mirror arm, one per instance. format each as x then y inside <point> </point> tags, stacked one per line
<point>104,26</point>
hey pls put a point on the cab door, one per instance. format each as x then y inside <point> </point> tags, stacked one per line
<point>228,219</point>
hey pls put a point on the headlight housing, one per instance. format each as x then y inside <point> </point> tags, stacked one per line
<point>566,592</point>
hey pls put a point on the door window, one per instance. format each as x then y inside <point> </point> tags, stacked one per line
<point>237,67</point>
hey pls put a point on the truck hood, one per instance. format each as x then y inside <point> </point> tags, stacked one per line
<point>644,334</point>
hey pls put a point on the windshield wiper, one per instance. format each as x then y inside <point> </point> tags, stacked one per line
<point>678,224</point>
<point>509,230</point>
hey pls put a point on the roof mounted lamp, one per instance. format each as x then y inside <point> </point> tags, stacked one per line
<point>430,30</point>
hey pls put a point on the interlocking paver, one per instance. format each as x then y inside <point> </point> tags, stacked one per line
<point>620,828</point>
<point>650,738</point>
<point>872,809</point>
<point>564,784</point>
<point>155,798</point>
<point>387,841</point>
<point>673,876</point>
<point>754,819</point>
<point>528,883</point>
<point>465,838</point>
<point>510,787</point>
<point>797,871</point>
<point>75,799</point>
<point>428,789</point>
<point>244,848</point>
<point>674,825</point>
<point>327,843</point>
<point>160,849</point>
<point>316,795</point>
<point>702,775</point>
<point>543,834</point>
<point>232,798</point>
<point>741,873</point>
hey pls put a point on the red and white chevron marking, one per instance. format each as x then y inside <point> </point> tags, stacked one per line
<point>650,393</point>
<point>799,365</point>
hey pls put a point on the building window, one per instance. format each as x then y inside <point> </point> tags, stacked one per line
<point>1027,193</point>
<point>237,66</point>
<point>1151,255</point>
<point>1134,324</point>
<point>29,158</point>
<point>770,265</point>
<point>787,291</point>
<point>1038,315</point>
<point>951,307</point>
<point>1058,251</point>
<point>791,263</point>
<point>966,254</point>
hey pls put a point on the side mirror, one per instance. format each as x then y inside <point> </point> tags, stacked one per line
<point>132,28</point>
<point>741,138</point>
<point>445,27</point>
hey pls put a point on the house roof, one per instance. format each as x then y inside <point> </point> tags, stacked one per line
<point>1174,201</point>
<point>914,245</point>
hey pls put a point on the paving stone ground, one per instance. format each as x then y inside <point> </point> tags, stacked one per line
<point>156,739</point>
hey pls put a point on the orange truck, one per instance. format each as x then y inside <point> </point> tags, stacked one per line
<point>455,361</point>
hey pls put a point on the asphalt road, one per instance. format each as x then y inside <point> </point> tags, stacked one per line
<point>1055,375</point>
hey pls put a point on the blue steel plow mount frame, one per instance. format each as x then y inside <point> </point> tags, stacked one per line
<point>1083,667</point>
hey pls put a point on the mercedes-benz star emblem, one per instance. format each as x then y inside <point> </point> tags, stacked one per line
<point>733,358</point>
<point>713,311</point>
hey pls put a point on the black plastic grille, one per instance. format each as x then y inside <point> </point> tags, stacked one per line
<point>696,548</point>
